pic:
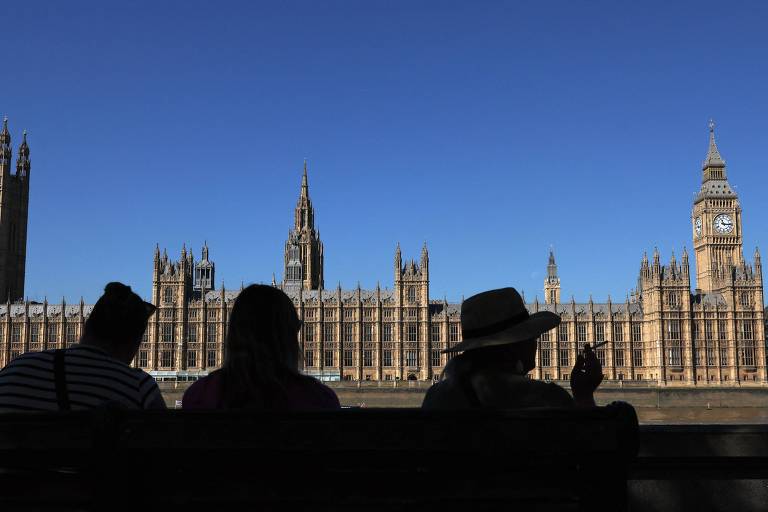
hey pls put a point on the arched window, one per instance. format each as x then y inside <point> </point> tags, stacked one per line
<point>411,294</point>
<point>168,294</point>
<point>745,299</point>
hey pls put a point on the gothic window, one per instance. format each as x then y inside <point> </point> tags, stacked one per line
<point>349,314</point>
<point>309,358</point>
<point>545,336</point>
<point>619,354</point>
<point>563,332</point>
<point>191,359</point>
<point>192,333</point>
<point>330,358</point>
<point>599,337</point>
<point>330,332</point>
<point>411,357</point>
<point>435,357</point>
<point>347,357</point>
<point>367,357</point>
<point>387,357</point>
<point>16,333</point>
<point>545,351</point>
<point>388,313</point>
<point>709,340</point>
<point>348,332</point>
<point>745,299</point>
<point>309,333</point>
<point>411,294</point>
<point>368,313</point>
<point>367,331</point>
<point>552,296</point>
<point>722,334</point>
<point>211,358</point>
<point>436,333</point>
<point>386,332</point>
<point>166,358</point>
<point>71,334</point>
<point>166,332</point>
<point>673,299</point>
<point>411,332</point>
<point>747,343</point>
<point>34,333</point>
<point>412,313</point>
<point>143,359</point>
<point>637,349</point>
<point>674,345</point>
<point>193,314</point>
<point>453,332</point>
<point>53,334</point>
<point>618,331</point>
<point>329,314</point>
<point>213,314</point>
<point>562,355</point>
<point>168,314</point>
<point>599,332</point>
<point>168,294</point>
<point>212,335</point>
<point>145,336</point>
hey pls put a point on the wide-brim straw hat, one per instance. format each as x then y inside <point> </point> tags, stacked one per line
<point>499,317</point>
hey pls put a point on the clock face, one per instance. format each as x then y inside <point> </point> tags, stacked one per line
<point>723,223</point>
<point>697,226</point>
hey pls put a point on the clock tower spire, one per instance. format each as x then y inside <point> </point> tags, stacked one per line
<point>716,220</point>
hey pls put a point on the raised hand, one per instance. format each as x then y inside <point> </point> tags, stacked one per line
<point>586,376</point>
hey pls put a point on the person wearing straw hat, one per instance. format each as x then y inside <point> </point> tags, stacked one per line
<point>497,352</point>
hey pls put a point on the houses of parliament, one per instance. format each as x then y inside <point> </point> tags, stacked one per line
<point>679,327</point>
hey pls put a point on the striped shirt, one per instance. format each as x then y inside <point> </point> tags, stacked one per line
<point>93,378</point>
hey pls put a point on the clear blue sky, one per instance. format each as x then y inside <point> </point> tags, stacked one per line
<point>488,129</point>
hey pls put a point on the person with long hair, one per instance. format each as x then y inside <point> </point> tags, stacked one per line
<point>261,360</point>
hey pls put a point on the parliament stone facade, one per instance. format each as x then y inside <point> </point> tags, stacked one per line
<point>676,328</point>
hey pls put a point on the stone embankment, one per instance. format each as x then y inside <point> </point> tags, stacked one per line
<point>654,405</point>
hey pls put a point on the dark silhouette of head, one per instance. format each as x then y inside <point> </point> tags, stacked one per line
<point>261,350</point>
<point>117,322</point>
<point>518,358</point>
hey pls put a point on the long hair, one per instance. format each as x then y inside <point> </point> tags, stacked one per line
<point>261,349</point>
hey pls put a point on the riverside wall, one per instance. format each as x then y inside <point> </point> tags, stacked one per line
<point>654,405</point>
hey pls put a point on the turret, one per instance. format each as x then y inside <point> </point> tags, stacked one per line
<point>23,163</point>
<point>5,145</point>
<point>398,263</point>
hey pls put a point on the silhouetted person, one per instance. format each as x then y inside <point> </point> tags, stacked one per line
<point>90,374</point>
<point>498,350</point>
<point>261,360</point>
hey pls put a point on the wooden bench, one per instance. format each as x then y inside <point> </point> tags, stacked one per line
<point>361,459</point>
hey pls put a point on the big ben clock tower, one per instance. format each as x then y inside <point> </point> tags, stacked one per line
<point>716,220</point>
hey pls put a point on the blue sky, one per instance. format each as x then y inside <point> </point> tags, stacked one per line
<point>490,130</point>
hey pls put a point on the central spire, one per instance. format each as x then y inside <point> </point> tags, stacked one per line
<point>304,183</point>
<point>713,159</point>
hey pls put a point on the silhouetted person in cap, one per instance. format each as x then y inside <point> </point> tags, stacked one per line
<point>261,360</point>
<point>90,374</point>
<point>497,352</point>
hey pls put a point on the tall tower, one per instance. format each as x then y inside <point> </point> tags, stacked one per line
<point>303,249</point>
<point>716,221</point>
<point>412,278</point>
<point>14,207</point>
<point>552,282</point>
